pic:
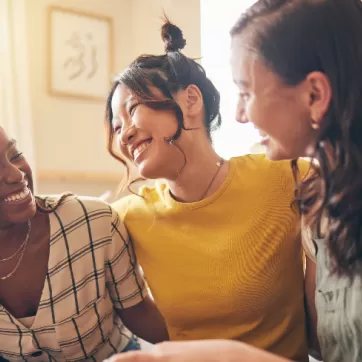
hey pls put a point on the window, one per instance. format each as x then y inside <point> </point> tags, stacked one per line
<point>232,139</point>
<point>15,108</point>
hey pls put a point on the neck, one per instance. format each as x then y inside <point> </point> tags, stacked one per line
<point>195,178</point>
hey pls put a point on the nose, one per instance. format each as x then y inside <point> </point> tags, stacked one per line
<point>13,175</point>
<point>240,113</point>
<point>127,135</point>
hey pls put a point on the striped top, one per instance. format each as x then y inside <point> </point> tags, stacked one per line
<point>91,271</point>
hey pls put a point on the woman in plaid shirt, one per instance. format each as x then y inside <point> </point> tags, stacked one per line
<point>69,280</point>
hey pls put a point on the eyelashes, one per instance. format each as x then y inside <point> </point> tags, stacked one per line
<point>17,156</point>
<point>131,110</point>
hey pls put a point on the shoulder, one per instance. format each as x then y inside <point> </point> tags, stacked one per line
<point>146,195</point>
<point>260,162</point>
<point>79,211</point>
<point>259,165</point>
<point>73,203</point>
<point>279,176</point>
<point>124,204</point>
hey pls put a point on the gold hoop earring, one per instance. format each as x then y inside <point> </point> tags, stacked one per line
<point>314,124</point>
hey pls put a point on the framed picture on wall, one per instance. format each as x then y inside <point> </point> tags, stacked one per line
<point>80,56</point>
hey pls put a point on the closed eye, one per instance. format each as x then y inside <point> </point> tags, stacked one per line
<point>132,108</point>
<point>17,156</point>
<point>116,125</point>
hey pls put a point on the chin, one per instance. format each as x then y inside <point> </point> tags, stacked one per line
<point>24,215</point>
<point>147,172</point>
<point>278,154</point>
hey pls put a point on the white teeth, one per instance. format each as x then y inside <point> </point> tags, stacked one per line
<point>20,196</point>
<point>140,148</point>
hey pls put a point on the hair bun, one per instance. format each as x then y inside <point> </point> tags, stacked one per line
<point>172,37</point>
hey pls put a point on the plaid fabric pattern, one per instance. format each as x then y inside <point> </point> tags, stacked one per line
<point>91,271</point>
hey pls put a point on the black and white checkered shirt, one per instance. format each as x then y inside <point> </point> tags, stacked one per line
<point>92,270</point>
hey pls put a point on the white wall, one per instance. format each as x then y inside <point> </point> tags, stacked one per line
<point>216,21</point>
<point>69,136</point>
<point>15,107</point>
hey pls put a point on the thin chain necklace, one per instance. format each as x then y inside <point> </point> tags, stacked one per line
<point>218,165</point>
<point>22,250</point>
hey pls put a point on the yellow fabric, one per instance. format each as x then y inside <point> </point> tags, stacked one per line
<point>229,266</point>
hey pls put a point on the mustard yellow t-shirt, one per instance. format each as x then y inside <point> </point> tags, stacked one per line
<point>229,266</point>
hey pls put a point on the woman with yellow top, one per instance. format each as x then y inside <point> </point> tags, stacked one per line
<point>219,241</point>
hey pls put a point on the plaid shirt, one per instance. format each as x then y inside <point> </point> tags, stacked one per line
<point>92,270</point>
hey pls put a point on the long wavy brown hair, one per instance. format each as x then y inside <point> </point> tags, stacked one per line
<point>295,38</point>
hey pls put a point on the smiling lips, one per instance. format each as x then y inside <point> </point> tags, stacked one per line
<point>140,148</point>
<point>19,196</point>
<point>264,137</point>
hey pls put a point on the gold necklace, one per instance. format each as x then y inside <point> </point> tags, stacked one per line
<point>22,249</point>
<point>218,165</point>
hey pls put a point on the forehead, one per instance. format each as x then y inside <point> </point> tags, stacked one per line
<point>120,97</point>
<point>5,141</point>
<point>240,56</point>
<point>247,66</point>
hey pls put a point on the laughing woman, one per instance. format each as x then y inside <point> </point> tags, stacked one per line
<point>69,281</point>
<point>218,241</point>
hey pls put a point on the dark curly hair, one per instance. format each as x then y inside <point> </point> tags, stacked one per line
<point>168,73</point>
<point>294,38</point>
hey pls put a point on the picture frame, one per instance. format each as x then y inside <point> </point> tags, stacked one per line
<point>80,54</point>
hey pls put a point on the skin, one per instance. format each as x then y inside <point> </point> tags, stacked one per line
<point>210,351</point>
<point>134,123</point>
<point>283,115</point>
<point>21,293</point>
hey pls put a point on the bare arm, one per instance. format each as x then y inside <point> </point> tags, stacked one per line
<point>145,321</point>
<point>197,351</point>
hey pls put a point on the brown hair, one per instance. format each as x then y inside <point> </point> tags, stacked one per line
<point>294,38</point>
<point>168,73</point>
<point>48,208</point>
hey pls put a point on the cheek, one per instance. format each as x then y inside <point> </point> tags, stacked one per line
<point>118,148</point>
<point>254,112</point>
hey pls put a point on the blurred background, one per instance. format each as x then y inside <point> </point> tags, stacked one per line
<point>57,59</point>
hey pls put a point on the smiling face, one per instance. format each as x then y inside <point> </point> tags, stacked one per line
<point>141,134</point>
<point>17,203</point>
<point>280,112</point>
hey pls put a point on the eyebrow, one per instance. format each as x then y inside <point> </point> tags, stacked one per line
<point>242,83</point>
<point>11,144</point>
<point>114,119</point>
<point>124,105</point>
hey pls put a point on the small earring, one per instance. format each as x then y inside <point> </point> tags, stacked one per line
<point>171,142</point>
<point>314,124</point>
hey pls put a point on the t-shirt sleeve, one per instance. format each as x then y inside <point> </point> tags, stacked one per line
<point>124,276</point>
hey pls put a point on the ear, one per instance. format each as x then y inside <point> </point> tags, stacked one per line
<point>320,95</point>
<point>194,99</point>
<point>191,102</point>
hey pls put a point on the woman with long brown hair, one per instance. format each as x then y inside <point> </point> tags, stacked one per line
<point>297,64</point>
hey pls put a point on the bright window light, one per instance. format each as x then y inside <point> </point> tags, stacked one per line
<point>217,17</point>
